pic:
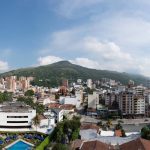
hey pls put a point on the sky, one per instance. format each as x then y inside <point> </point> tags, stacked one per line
<point>101,34</point>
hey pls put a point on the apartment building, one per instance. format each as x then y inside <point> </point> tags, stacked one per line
<point>93,100</point>
<point>139,105</point>
<point>140,90</point>
<point>131,103</point>
<point>89,83</point>
<point>110,98</point>
<point>126,102</point>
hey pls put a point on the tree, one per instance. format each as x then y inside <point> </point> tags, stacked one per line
<point>123,133</point>
<point>57,96</point>
<point>39,108</point>
<point>75,135</point>
<point>118,126</point>
<point>5,96</point>
<point>100,124</point>
<point>75,123</point>
<point>60,146</point>
<point>66,131</point>
<point>26,100</point>
<point>109,123</point>
<point>73,91</point>
<point>36,121</point>
<point>29,93</point>
<point>58,133</point>
<point>145,133</point>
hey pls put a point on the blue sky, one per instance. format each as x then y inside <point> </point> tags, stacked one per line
<point>101,34</point>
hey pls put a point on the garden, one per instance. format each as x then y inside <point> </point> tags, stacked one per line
<point>34,138</point>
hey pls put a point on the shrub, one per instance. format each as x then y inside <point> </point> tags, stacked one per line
<point>43,144</point>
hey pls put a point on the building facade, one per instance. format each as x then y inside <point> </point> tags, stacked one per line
<point>16,115</point>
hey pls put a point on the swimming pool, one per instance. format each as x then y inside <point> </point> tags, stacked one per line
<point>20,145</point>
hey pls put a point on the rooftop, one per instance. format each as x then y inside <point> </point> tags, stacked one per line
<point>138,144</point>
<point>14,107</point>
<point>95,145</point>
<point>89,126</point>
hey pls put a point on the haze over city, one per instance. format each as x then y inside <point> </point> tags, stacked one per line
<point>101,34</point>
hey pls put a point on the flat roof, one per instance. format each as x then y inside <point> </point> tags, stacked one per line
<point>14,107</point>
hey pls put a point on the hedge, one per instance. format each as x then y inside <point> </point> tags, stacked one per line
<point>43,144</point>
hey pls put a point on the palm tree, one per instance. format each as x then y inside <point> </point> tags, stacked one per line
<point>118,126</point>
<point>36,121</point>
<point>109,123</point>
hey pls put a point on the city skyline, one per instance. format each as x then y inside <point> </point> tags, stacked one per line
<point>96,34</point>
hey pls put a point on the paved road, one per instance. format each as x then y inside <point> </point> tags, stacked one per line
<point>129,125</point>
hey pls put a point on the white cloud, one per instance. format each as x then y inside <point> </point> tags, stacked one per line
<point>3,66</point>
<point>144,65</point>
<point>118,43</point>
<point>116,39</point>
<point>48,60</point>
<point>85,62</point>
<point>107,50</point>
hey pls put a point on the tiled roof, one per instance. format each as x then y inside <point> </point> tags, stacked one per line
<point>95,145</point>
<point>54,105</point>
<point>67,107</point>
<point>89,126</point>
<point>138,144</point>
<point>76,144</point>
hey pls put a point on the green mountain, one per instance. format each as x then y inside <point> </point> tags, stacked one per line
<point>53,74</point>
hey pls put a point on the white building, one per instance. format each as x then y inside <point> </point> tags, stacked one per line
<point>44,101</point>
<point>140,90</point>
<point>46,121</point>
<point>79,81</point>
<point>51,117</point>
<point>16,115</point>
<point>58,113</point>
<point>120,88</point>
<point>89,83</point>
<point>79,95</point>
<point>73,100</point>
<point>93,100</point>
<point>139,105</point>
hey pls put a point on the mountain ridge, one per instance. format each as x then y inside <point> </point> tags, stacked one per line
<point>52,74</point>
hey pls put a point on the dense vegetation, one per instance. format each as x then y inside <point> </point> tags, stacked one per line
<point>29,93</point>
<point>5,96</point>
<point>66,131</point>
<point>52,75</point>
<point>145,132</point>
<point>60,146</point>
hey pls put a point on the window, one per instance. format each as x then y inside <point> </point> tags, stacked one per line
<point>17,116</point>
<point>17,121</point>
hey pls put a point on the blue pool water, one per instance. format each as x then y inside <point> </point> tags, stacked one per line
<point>20,146</point>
